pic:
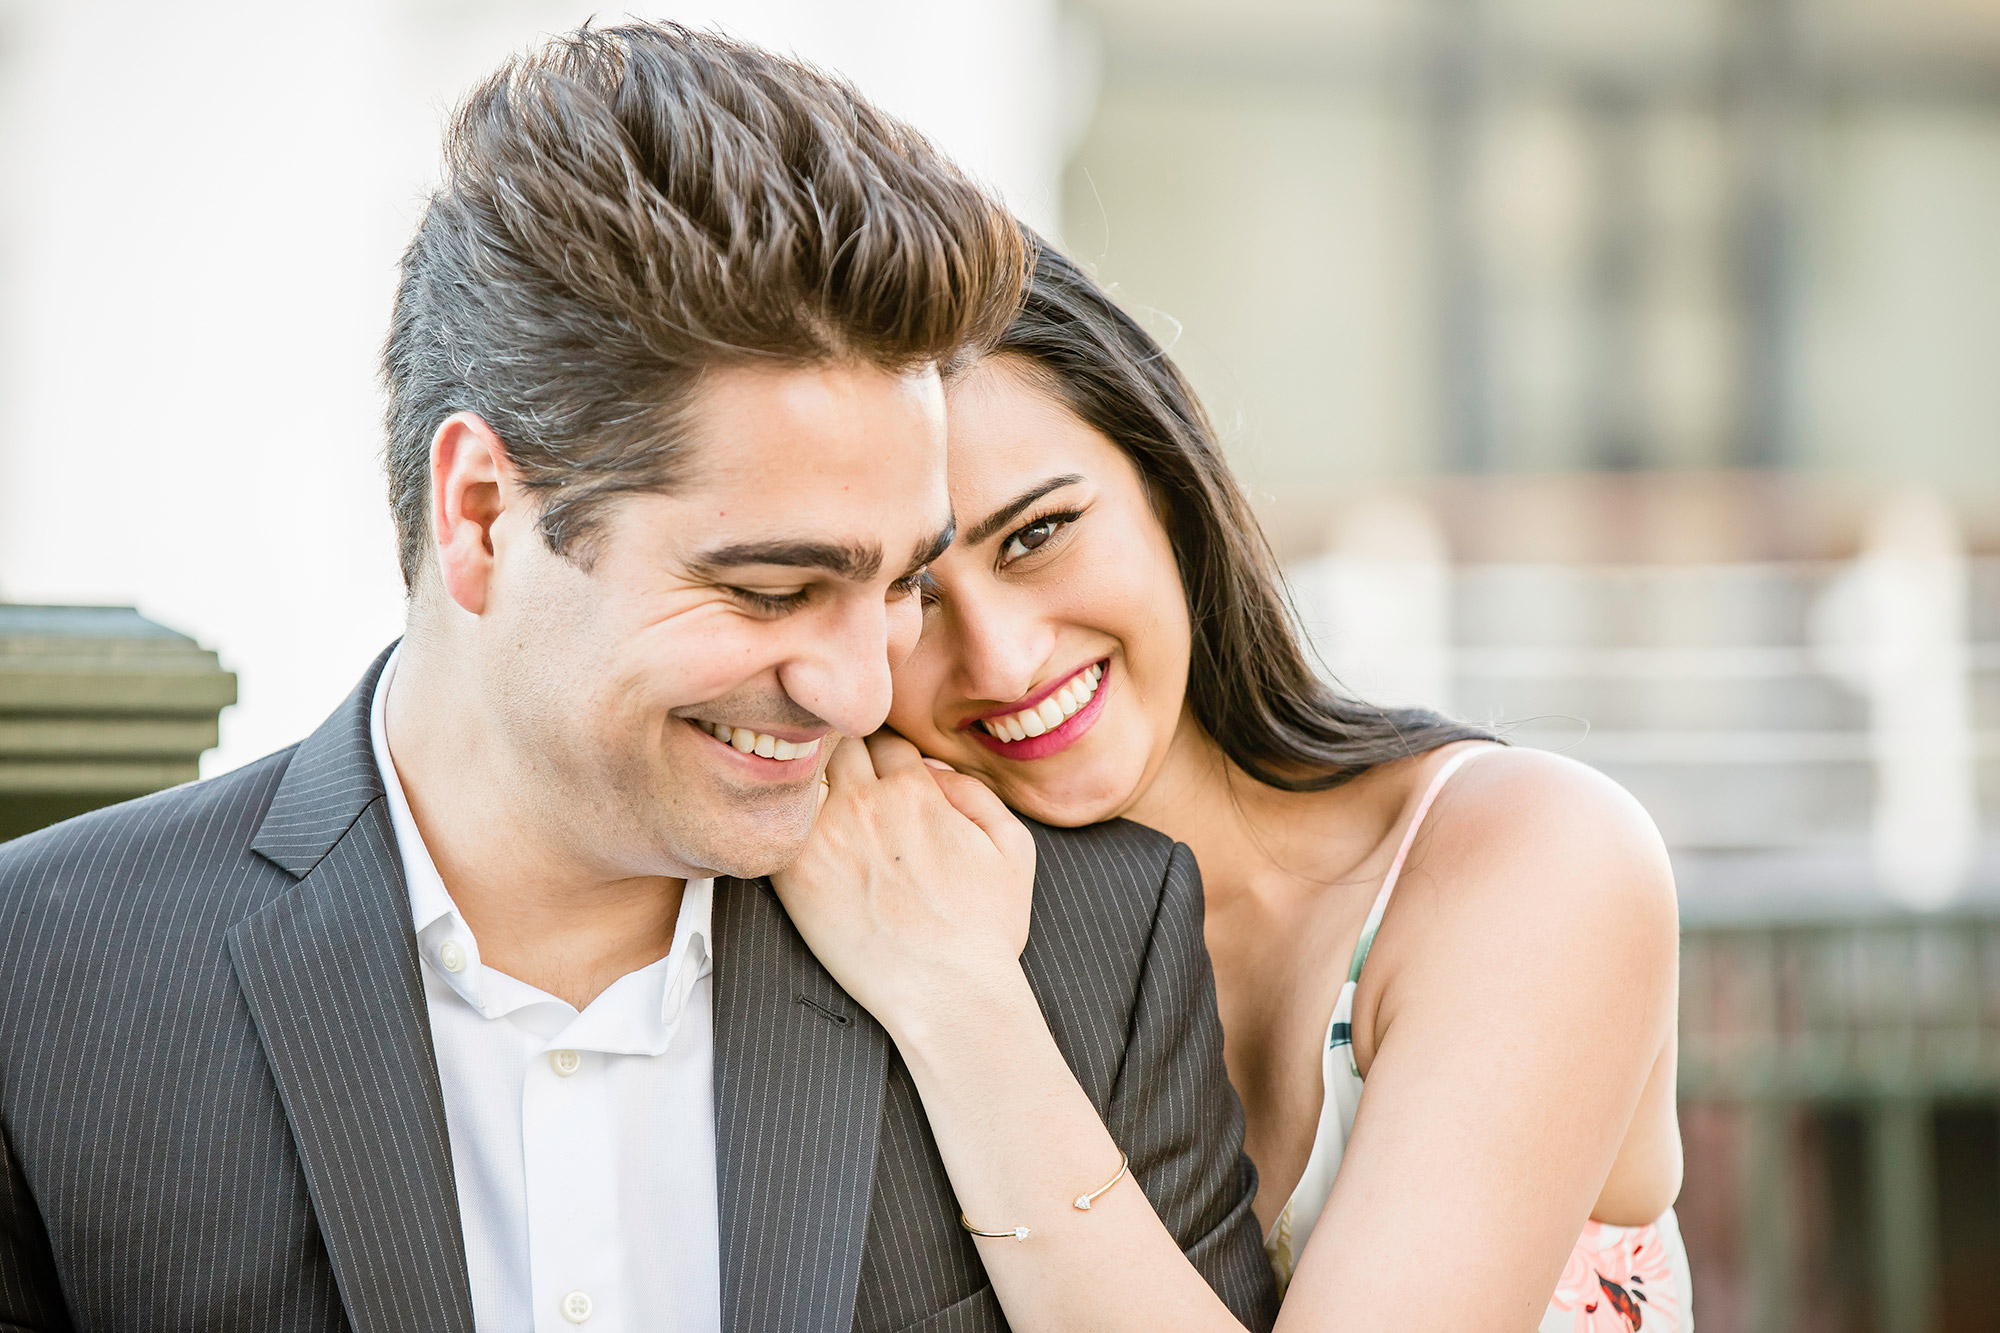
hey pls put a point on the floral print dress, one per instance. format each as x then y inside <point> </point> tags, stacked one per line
<point>1617,1280</point>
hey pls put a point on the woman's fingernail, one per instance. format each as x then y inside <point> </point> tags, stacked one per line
<point>939,763</point>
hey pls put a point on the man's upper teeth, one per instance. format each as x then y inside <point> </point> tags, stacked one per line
<point>759,743</point>
<point>1051,712</point>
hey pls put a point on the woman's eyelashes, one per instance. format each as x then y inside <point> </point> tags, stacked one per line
<point>1036,535</point>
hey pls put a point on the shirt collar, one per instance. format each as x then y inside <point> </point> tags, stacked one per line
<point>430,901</point>
<point>437,922</point>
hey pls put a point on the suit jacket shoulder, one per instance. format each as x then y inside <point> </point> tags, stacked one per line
<point>152,857</point>
<point>1098,891</point>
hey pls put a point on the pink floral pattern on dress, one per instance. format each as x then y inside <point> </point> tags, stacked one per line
<point>1617,1280</point>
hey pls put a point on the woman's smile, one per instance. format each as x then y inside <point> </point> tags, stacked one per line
<point>1049,721</point>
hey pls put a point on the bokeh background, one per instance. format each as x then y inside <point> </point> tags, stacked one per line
<point>1623,373</point>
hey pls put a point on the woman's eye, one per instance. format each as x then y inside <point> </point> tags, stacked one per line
<point>1032,537</point>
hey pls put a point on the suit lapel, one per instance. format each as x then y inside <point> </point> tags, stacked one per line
<point>331,977</point>
<point>799,1075</point>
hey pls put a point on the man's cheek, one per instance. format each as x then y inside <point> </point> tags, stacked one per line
<point>664,675</point>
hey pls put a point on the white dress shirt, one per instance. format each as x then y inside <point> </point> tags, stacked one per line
<point>583,1143</point>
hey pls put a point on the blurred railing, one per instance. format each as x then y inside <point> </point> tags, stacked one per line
<point>1882,1022</point>
<point>1819,742</point>
<point>1851,1011</point>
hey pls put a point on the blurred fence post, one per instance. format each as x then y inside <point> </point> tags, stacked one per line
<point>1767,1214</point>
<point>1904,1204</point>
<point>1896,628</point>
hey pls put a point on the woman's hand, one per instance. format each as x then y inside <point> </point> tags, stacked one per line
<point>915,885</point>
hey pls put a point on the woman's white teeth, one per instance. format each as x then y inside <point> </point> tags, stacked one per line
<point>758,743</point>
<point>1052,712</point>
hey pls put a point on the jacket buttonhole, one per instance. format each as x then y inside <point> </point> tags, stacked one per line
<point>830,1015</point>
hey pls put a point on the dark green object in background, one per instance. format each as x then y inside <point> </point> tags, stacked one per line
<point>98,705</point>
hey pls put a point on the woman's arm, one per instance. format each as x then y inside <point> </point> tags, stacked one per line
<point>920,910</point>
<point>1525,993</point>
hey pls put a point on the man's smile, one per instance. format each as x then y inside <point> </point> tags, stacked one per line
<point>760,744</point>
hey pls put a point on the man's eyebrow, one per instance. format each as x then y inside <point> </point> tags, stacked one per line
<point>859,562</point>
<point>1008,512</point>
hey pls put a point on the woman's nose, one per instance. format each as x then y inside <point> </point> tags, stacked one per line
<point>1003,646</point>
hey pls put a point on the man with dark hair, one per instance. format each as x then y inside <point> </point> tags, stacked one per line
<point>472,1010</point>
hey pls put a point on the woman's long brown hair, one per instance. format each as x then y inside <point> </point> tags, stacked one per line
<point>1251,686</point>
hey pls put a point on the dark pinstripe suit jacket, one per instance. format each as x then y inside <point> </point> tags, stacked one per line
<point>221,1105</point>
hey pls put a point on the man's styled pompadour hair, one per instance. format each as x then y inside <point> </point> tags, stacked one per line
<point>630,206</point>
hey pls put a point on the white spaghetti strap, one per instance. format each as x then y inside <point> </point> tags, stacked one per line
<point>1374,922</point>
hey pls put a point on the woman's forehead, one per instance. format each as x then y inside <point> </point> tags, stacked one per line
<point>1006,428</point>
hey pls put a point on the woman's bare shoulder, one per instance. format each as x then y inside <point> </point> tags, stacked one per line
<point>1536,887</point>
<point>1550,844</point>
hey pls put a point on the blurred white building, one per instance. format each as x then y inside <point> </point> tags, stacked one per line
<point>1410,237</point>
<point>201,207</point>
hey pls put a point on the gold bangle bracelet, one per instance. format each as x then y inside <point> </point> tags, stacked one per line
<point>1018,1233</point>
<point>1081,1202</point>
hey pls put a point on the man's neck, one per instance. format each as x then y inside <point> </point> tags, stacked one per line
<point>542,910</point>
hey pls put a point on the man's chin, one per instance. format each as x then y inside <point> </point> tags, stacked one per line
<point>763,844</point>
<point>752,866</point>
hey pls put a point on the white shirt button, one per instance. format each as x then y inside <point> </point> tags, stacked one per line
<point>452,954</point>
<point>565,1063</point>
<point>576,1307</point>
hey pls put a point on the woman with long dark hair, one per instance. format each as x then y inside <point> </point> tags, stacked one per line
<point>1445,968</point>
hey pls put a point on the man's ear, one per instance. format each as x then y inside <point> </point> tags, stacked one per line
<point>471,484</point>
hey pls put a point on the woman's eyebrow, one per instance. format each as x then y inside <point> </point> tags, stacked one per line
<point>1008,512</point>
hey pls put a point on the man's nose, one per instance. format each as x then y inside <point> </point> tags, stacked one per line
<point>842,672</point>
